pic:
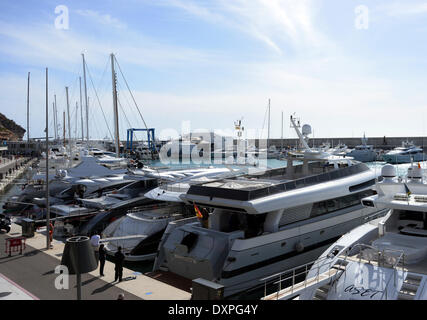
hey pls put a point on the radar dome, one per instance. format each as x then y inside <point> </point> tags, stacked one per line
<point>306,129</point>
<point>388,171</point>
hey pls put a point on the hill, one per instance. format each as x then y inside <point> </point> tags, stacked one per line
<point>9,130</point>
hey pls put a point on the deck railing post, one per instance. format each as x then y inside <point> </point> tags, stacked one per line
<point>293,280</point>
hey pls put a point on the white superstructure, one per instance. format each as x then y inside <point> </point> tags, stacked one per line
<point>385,259</point>
<point>266,222</point>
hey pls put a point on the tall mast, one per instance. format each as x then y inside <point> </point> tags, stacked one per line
<point>282,134</point>
<point>75,130</point>
<point>47,169</point>
<point>28,108</point>
<point>56,118</point>
<point>81,107</point>
<point>268,136</point>
<point>116,113</point>
<point>68,116</point>
<point>63,126</point>
<point>86,102</point>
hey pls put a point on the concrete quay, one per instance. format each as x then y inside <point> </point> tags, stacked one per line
<point>11,169</point>
<point>33,271</point>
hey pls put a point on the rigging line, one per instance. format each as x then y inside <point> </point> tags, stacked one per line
<point>263,123</point>
<point>99,103</point>
<point>136,105</point>
<point>101,84</point>
<point>93,121</point>
<point>130,125</point>
<point>123,111</point>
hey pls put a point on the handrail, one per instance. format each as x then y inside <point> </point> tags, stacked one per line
<point>200,189</point>
<point>381,254</point>
<point>295,274</point>
<point>320,263</point>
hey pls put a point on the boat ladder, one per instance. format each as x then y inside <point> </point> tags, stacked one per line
<point>409,288</point>
<point>322,292</point>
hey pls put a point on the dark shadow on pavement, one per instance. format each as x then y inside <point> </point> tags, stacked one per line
<point>4,294</point>
<point>31,253</point>
<point>48,272</point>
<point>87,281</point>
<point>103,288</point>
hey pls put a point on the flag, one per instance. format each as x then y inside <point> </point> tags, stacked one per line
<point>408,192</point>
<point>198,213</point>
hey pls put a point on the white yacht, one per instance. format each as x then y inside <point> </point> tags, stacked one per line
<point>363,152</point>
<point>141,229</point>
<point>385,259</point>
<point>340,149</point>
<point>266,222</point>
<point>407,153</point>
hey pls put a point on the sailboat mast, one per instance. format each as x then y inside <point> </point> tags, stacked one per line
<point>54,120</point>
<point>268,136</point>
<point>86,103</point>
<point>63,126</point>
<point>55,116</point>
<point>69,126</point>
<point>281,144</point>
<point>47,168</point>
<point>76,124</point>
<point>28,108</point>
<point>116,113</point>
<point>81,107</point>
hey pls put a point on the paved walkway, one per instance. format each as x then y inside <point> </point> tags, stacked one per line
<point>9,290</point>
<point>34,271</point>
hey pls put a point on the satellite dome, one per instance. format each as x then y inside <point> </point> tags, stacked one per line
<point>388,171</point>
<point>306,129</point>
<point>415,173</point>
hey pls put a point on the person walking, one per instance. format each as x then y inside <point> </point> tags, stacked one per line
<point>118,260</point>
<point>94,240</point>
<point>101,260</point>
<point>51,234</point>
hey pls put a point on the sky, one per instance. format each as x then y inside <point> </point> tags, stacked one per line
<point>344,67</point>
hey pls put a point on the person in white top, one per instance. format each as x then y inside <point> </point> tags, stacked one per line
<point>94,240</point>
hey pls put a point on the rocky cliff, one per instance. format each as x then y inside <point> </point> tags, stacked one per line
<point>9,130</point>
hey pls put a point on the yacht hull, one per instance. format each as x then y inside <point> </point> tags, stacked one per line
<point>240,267</point>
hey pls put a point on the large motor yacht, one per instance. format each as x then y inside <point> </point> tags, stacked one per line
<point>266,222</point>
<point>363,152</point>
<point>407,153</point>
<point>140,230</point>
<point>385,259</point>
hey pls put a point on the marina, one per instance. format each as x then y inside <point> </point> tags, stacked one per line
<point>213,155</point>
<point>159,217</point>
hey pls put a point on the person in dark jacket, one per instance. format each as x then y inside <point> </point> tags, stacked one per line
<point>101,260</point>
<point>118,260</point>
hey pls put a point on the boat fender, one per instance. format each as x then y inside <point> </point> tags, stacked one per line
<point>299,247</point>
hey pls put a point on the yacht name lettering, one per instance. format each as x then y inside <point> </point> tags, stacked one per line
<point>361,291</point>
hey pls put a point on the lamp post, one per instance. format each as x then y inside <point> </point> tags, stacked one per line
<point>79,257</point>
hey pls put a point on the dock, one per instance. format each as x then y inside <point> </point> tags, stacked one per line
<point>33,271</point>
<point>11,169</point>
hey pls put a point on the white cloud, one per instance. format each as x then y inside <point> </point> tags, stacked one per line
<point>104,19</point>
<point>42,44</point>
<point>400,9</point>
<point>274,22</point>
